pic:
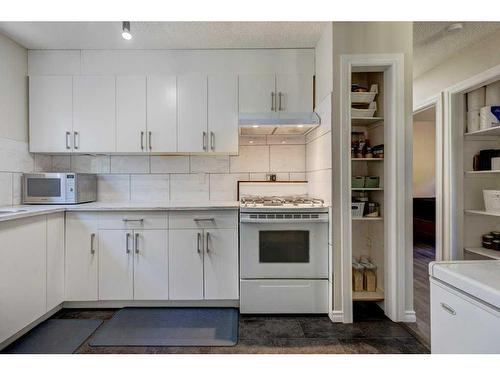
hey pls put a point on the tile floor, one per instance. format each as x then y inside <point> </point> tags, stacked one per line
<point>372,332</point>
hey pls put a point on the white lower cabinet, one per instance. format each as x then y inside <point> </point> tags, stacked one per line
<point>23,271</point>
<point>81,257</point>
<point>116,265</point>
<point>186,264</point>
<point>150,265</point>
<point>55,260</point>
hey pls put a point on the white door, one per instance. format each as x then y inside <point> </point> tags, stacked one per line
<point>94,117</point>
<point>223,113</point>
<point>150,265</point>
<point>50,113</point>
<point>221,264</point>
<point>296,92</point>
<point>81,258</point>
<point>22,274</point>
<point>116,265</point>
<point>55,260</point>
<point>131,114</point>
<point>192,110</point>
<point>162,113</point>
<point>256,93</point>
<point>185,259</point>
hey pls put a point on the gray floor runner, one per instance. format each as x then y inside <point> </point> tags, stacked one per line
<point>54,336</point>
<point>169,327</point>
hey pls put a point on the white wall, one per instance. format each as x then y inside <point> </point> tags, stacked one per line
<point>14,155</point>
<point>464,64</point>
<point>323,61</point>
<point>366,38</point>
<point>424,159</point>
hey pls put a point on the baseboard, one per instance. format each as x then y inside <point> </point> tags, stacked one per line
<point>30,326</point>
<point>121,304</point>
<point>409,316</point>
<point>336,316</point>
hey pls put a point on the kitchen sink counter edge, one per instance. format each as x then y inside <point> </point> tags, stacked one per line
<point>23,211</point>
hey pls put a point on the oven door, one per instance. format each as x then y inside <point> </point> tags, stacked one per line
<point>284,250</point>
<point>44,188</point>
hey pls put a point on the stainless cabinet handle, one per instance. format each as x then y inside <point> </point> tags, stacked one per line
<point>448,309</point>
<point>208,239</point>
<point>133,220</point>
<point>203,219</point>
<point>67,140</point>
<point>212,141</point>
<point>127,240</point>
<point>198,247</point>
<point>204,141</point>
<point>149,142</point>
<point>142,140</point>
<point>92,238</point>
<point>272,101</point>
<point>76,140</point>
<point>280,108</point>
<point>136,243</point>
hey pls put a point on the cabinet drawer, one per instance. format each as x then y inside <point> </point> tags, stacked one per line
<point>460,324</point>
<point>203,219</point>
<point>283,296</point>
<point>133,220</point>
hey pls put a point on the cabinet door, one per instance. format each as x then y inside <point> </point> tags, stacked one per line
<point>131,114</point>
<point>116,265</point>
<point>192,109</point>
<point>296,92</point>
<point>55,260</point>
<point>221,264</point>
<point>50,113</point>
<point>150,265</point>
<point>81,258</point>
<point>256,93</point>
<point>162,113</point>
<point>94,117</point>
<point>185,259</point>
<point>22,274</point>
<point>223,113</point>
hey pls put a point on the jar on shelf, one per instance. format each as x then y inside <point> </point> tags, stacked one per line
<point>357,276</point>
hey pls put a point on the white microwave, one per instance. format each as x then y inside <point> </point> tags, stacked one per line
<point>58,188</point>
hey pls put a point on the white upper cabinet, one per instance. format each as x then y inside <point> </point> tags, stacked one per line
<point>192,110</point>
<point>257,93</point>
<point>131,114</point>
<point>294,93</point>
<point>94,114</point>
<point>162,113</point>
<point>223,113</point>
<point>50,113</point>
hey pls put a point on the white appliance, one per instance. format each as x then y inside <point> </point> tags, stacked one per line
<point>281,123</point>
<point>283,255</point>
<point>59,188</point>
<point>465,306</point>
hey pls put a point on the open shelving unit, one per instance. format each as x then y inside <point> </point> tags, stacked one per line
<point>368,232</point>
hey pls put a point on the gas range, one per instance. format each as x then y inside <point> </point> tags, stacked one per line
<point>293,202</point>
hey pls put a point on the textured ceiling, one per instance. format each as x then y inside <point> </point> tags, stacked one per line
<point>432,44</point>
<point>163,35</point>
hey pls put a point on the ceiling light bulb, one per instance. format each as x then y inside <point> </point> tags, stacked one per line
<point>283,142</point>
<point>250,142</point>
<point>300,126</point>
<point>255,126</point>
<point>455,27</point>
<point>126,30</point>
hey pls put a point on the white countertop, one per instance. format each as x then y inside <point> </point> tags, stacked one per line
<point>23,211</point>
<point>479,278</point>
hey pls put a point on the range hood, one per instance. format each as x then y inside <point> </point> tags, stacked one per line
<point>277,123</point>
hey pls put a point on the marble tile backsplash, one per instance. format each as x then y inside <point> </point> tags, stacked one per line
<point>143,178</point>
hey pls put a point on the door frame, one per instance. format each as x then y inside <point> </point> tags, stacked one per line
<point>437,101</point>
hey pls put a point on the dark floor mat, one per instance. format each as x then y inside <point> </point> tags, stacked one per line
<point>169,327</point>
<point>54,336</point>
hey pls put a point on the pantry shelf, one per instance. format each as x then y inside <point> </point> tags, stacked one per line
<point>481,172</point>
<point>367,189</point>
<point>367,218</point>
<point>493,254</point>
<point>495,130</point>
<point>368,296</point>
<point>367,159</point>
<point>482,212</point>
<point>365,121</point>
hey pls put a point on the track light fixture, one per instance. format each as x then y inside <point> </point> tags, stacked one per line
<point>126,30</point>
